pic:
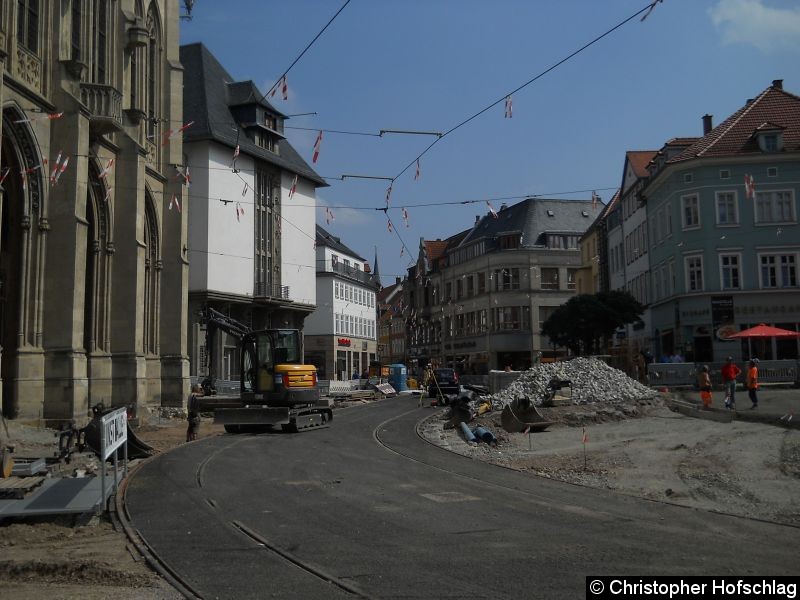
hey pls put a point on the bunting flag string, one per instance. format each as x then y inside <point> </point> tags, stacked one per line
<point>283,84</point>
<point>48,116</point>
<point>328,216</point>
<point>239,211</point>
<point>61,170</point>
<point>56,165</point>
<point>388,194</point>
<point>170,133</point>
<point>184,175</point>
<point>416,174</point>
<point>175,201</point>
<point>104,173</point>
<point>509,107</point>
<point>293,189</point>
<point>405,216</point>
<point>652,7</point>
<point>491,209</point>
<point>749,187</point>
<point>317,145</point>
<point>389,226</point>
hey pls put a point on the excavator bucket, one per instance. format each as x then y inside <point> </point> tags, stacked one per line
<point>520,414</point>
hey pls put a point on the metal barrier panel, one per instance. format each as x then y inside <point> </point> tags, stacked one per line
<point>685,374</point>
<point>671,374</point>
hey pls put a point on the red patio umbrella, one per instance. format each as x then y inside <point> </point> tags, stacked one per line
<point>763,331</point>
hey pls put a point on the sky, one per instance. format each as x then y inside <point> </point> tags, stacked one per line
<point>428,65</point>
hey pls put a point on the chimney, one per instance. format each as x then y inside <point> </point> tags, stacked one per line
<point>397,281</point>
<point>503,206</point>
<point>477,219</point>
<point>777,84</point>
<point>707,124</point>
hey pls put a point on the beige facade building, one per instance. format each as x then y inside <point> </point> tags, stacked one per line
<point>93,260</point>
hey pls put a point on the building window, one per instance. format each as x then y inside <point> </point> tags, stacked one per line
<point>775,207</point>
<point>772,171</point>
<point>727,208</point>
<point>152,66</point>
<point>778,270</point>
<point>688,178</point>
<point>76,13</point>
<point>694,273</point>
<point>730,269</point>
<point>99,40</point>
<point>265,205</point>
<point>28,24</point>
<point>512,318</point>
<point>470,286</point>
<point>510,242</point>
<point>770,142</point>
<point>571,277</point>
<point>724,174</point>
<point>459,287</point>
<point>690,211</point>
<point>506,279</point>
<point>481,283</point>
<point>549,278</point>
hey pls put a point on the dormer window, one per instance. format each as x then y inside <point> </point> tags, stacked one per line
<point>270,122</point>
<point>770,137</point>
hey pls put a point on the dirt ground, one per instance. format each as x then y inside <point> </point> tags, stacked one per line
<point>640,449</point>
<point>646,450</point>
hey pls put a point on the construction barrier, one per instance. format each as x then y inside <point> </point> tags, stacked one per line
<point>685,374</point>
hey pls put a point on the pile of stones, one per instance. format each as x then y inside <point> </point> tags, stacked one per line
<point>592,381</point>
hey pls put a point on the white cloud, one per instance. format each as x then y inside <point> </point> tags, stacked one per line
<point>751,22</point>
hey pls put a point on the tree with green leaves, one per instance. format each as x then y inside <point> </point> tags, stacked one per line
<point>585,320</point>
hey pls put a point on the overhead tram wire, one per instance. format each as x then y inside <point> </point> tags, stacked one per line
<point>311,43</point>
<point>526,84</point>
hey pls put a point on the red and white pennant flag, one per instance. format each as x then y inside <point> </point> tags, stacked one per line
<point>509,107</point>
<point>389,226</point>
<point>187,180</point>
<point>749,187</point>
<point>328,215</point>
<point>169,134</point>
<point>416,175</point>
<point>104,173</point>
<point>49,116</point>
<point>61,170</point>
<point>176,202</point>
<point>595,198</point>
<point>388,194</point>
<point>317,144</point>
<point>284,88</point>
<point>55,167</point>
<point>293,189</point>
<point>239,211</point>
<point>405,216</point>
<point>491,209</point>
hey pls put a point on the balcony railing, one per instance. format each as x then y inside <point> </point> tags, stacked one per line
<point>271,290</point>
<point>348,271</point>
<point>105,107</point>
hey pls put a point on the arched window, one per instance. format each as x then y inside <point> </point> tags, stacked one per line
<point>152,278</point>
<point>98,266</point>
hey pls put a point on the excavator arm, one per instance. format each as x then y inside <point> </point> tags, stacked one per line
<point>216,321</point>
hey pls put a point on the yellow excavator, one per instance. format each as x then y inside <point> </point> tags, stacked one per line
<point>276,388</point>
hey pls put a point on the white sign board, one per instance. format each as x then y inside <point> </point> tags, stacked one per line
<point>115,431</point>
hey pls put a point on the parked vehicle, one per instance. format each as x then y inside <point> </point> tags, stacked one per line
<point>444,384</point>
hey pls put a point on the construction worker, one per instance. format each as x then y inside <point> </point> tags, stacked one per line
<point>427,380</point>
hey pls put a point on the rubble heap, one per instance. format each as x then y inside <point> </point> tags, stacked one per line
<point>592,381</point>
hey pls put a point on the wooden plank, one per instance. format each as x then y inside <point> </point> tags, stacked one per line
<point>18,487</point>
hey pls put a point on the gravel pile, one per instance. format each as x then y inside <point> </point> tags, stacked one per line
<point>592,381</point>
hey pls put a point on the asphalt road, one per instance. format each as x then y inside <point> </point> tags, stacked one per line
<point>368,508</point>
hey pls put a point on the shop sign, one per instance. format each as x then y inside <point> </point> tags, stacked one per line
<point>343,341</point>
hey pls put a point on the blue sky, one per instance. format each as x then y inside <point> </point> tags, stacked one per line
<point>429,64</point>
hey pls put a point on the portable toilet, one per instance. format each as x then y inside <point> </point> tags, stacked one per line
<point>397,377</point>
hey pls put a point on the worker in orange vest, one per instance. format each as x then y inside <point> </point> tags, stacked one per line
<point>752,382</point>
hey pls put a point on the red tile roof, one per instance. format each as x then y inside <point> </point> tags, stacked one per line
<point>773,107</point>
<point>435,249</point>
<point>639,160</point>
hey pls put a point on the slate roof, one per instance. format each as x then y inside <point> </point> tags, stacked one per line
<point>604,212</point>
<point>209,92</point>
<point>325,238</point>
<point>773,108</point>
<point>533,218</point>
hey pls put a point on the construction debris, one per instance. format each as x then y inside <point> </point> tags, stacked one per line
<point>591,380</point>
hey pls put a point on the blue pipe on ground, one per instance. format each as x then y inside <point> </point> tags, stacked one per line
<point>468,435</point>
<point>486,435</point>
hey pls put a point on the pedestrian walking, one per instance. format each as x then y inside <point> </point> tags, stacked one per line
<point>752,382</point>
<point>427,380</point>
<point>704,381</point>
<point>193,412</point>
<point>729,374</point>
